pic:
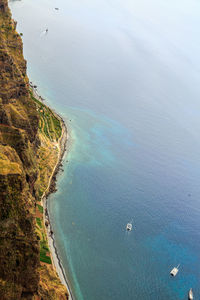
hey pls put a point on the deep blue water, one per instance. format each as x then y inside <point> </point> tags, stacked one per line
<point>126,73</point>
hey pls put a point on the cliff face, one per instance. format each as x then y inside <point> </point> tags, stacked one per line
<point>20,267</point>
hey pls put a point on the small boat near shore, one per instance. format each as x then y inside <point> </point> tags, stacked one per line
<point>174,271</point>
<point>129,227</point>
<point>190,295</point>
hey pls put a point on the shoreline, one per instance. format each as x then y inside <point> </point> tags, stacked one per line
<point>51,188</point>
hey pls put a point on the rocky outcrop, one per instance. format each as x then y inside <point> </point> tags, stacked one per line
<point>20,268</point>
<point>3,6</point>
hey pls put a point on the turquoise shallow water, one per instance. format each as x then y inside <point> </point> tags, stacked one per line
<point>127,76</point>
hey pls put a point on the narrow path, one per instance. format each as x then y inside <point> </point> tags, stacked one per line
<point>56,263</point>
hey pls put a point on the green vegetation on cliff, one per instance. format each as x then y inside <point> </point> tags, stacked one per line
<point>49,124</point>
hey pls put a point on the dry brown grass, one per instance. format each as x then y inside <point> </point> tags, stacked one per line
<point>9,161</point>
<point>48,155</point>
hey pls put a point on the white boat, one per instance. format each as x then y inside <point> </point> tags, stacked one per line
<point>190,295</point>
<point>174,271</point>
<point>129,227</point>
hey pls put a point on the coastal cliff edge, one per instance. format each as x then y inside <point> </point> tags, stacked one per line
<point>29,135</point>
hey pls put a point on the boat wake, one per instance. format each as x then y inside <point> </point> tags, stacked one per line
<point>43,33</point>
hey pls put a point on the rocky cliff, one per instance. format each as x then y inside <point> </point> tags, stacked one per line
<point>22,274</point>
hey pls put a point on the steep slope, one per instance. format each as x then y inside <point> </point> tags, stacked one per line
<point>22,275</point>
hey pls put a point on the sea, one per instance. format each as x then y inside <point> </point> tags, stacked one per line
<point>125,76</point>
